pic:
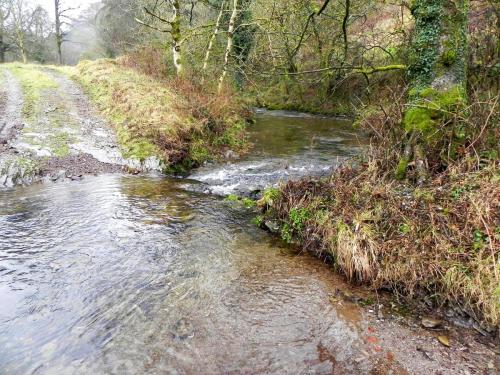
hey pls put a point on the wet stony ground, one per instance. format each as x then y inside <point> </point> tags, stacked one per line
<point>52,132</point>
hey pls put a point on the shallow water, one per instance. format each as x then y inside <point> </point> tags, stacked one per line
<point>127,275</point>
<point>287,145</point>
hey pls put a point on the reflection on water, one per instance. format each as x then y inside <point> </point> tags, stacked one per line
<point>287,145</point>
<point>130,275</point>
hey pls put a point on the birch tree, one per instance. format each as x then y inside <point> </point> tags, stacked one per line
<point>174,28</point>
<point>229,46</point>
<point>213,37</point>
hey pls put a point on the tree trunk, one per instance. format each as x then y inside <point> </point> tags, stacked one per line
<point>59,37</point>
<point>2,46</point>
<point>212,38</point>
<point>20,40</point>
<point>229,47</point>
<point>177,38</point>
<point>437,74</point>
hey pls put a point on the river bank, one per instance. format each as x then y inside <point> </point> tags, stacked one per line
<point>435,242</point>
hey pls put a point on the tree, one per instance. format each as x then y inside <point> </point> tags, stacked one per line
<point>437,73</point>
<point>115,23</point>
<point>21,18</point>
<point>4,16</point>
<point>243,39</point>
<point>60,14</point>
<point>155,15</point>
<point>229,46</point>
<point>213,37</point>
<point>39,36</point>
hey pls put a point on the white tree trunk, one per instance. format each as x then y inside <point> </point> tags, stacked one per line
<point>212,38</point>
<point>229,47</point>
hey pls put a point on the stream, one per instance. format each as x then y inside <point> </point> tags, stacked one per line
<point>286,145</point>
<point>121,274</point>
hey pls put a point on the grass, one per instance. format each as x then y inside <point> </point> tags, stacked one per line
<point>59,144</point>
<point>172,120</point>
<point>33,82</point>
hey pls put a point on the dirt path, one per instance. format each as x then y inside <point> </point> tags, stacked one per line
<point>50,131</point>
<point>11,102</point>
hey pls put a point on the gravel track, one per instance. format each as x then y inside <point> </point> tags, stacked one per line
<point>64,138</point>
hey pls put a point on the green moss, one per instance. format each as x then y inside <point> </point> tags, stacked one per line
<point>248,203</point>
<point>402,168</point>
<point>419,119</point>
<point>430,108</point>
<point>449,57</point>
<point>452,99</point>
<point>232,198</point>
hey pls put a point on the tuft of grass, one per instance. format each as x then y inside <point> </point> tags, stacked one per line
<point>246,202</point>
<point>59,144</point>
<point>173,120</point>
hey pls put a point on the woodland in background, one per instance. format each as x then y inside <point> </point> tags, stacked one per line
<point>290,53</point>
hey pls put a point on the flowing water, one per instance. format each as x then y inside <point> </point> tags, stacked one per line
<point>287,145</point>
<point>130,275</point>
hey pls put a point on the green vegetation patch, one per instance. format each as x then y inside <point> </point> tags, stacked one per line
<point>59,143</point>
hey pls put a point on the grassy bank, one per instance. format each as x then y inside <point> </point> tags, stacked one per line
<point>437,242</point>
<point>176,121</point>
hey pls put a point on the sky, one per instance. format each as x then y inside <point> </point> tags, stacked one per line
<point>80,4</point>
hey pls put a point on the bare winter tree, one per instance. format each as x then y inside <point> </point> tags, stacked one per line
<point>21,22</point>
<point>60,16</point>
